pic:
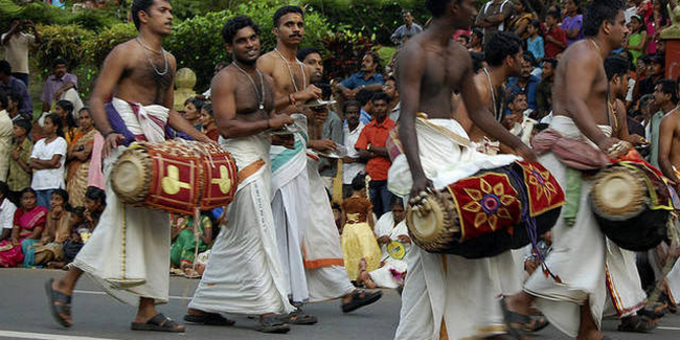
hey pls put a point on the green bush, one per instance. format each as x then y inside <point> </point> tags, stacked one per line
<point>61,42</point>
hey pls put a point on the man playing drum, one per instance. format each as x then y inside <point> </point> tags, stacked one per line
<point>444,295</point>
<point>244,274</point>
<point>129,251</point>
<point>589,266</point>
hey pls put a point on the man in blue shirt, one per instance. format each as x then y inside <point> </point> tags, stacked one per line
<point>370,77</point>
<point>526,83</point>
<point>13,85</point>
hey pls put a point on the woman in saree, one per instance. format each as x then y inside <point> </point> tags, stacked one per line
<point>523,16</point>
<point>183,251</point>
<point>29,222</point>
<point>57,230</point>
<point>78,158</point>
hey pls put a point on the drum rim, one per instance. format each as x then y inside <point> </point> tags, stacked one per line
<point>142,161</point>
<point>640,189</point>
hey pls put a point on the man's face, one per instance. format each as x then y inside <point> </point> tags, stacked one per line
<point>352,114</point>
<point>320,114</point>
<point>408,18</point>
<point>624,84</point>
<point>619,30</point>
<point>245,46</point>
<point>550,21</point>
<point>367,64</point>
<point>379,108</point>
<point>314,60</point>
<point>390,88</point>
<point>548,70</point>
<point>59,70</point>
<point>160,17</point>
<point>526,69</point>
<point>519,105</point>
<point>465,15</point>
<point>660,98</point>
<point>654,69</point>
<point>291,29</point>
<point>516,63</point>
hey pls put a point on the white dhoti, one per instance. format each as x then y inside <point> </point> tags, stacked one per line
<point>384,277</point>
<point>590,266</point>
<point>129,251</point>
<point>243,274</point>
<point>326,275</point>
<point>290,204</point>
<point>446,290</point>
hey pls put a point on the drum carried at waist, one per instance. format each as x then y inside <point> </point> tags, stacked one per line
<point>488,213</point>
<point>175,176</point>
<point>632,205</point>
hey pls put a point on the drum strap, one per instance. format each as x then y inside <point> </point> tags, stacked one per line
<point>454,136</point>
<point>250,170</point>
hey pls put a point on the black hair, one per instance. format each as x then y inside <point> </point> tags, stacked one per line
<point>646,100</point>
<point>15,97</point>
<point>551,61</point>
<point>478,32</point>
<point>58,61</point>
<point>477,59</point>
<point>27,190</point>
<point>668,87</point>
<point>396,200</point>
<point>541,126</point>
<point>96,194</point>
<point>24,124</point>
<point>286,10</point>
<point>208,108</point>
<point>438,7</point>
<point>376,59</point>
<point>84,108</point>
<point>380,96</point>
<point>364,96</point>
<point>235,24</point>
<point>79,212</point>
<point>349,103</point>
<point>4,100</point>
<point>579,9</point>
<point>138,6</point>
<point>528,56</point>
<point>615,64</point>
<point>4,189</point>
<point>197,103</point>
<point>643,27</point>
<point>599,11</point>
<point>56,120</point>
<point>68,107</point>
<point>537,25</point>
<point>466,37</point>
<point>64,196</point>
<point>5,67</point>
<point>513,96</point>
<point>305,51</point>
<point>500,46</point>
<point>359,182</point>
<point>554,14</point>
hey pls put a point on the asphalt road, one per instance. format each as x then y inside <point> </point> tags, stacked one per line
<point>24,315</point>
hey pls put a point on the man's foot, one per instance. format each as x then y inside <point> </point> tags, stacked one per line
<point>60,303</point>
<point>637,324</point>
<point>208,319</point>
<point>298,317</point>
<point>365,279</point>
<point>158,323</point>
<point>272,324</point>
<point>519,325</point>
<point>360,298</point>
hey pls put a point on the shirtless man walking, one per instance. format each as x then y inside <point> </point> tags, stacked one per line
<point>244,274</point>
<point>669,142</point>
<point>142,75</point>
<point>444,294</point>
<point>582,257</point>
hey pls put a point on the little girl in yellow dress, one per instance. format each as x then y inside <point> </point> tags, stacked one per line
<point>359,245</point>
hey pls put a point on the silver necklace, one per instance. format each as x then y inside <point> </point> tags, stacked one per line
<point>260,96</point>
<point>290,70</point>
<point>493,95</point>
<point>148,58</point>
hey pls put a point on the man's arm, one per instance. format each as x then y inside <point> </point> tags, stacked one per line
<point>41,164</point>
<point>7,36</point>
<point>224,107</point>
<point>666,132</point>
<point>283,100</point>
<point>583,69</point>
<point>411,70</point>
<point>484,119</point>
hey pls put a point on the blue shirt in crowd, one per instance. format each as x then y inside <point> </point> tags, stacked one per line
<point>535,46</point>
<point>357,80</point>
<point>18,87</point>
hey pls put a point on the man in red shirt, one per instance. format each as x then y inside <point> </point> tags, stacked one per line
<point>555,38</point>
<point>371,146</point>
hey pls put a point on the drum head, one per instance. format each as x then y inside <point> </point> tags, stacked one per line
<point>619,193</point>
<point>437,228</point>
<point>426,225</point>
<point>128,177</point>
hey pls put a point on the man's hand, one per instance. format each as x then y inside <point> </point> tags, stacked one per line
<point>636,139</point>
<point>322,144</point>
<point>111,142</point>
<point>404,239</point>
<point>383,239</point>
<point>421,186</point>
<point>277,121</point>
<point>287,141</point>
<point>310,93</point>
<point>15,154</point>
<point>349,160</point>
<point>348,94</point>
<point>525,152</point>
<point>29,24</point>
<point>614,147</point>
<point>16,242</point>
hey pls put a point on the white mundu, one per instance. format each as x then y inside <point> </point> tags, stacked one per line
<point>590,266</point>
<point>243,275</point>
<point>446,291</point>
<point>129,251</point>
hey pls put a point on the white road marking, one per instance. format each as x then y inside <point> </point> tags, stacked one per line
<point>42,336</point>
<point>668,328</point>
<point>172,297</point>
